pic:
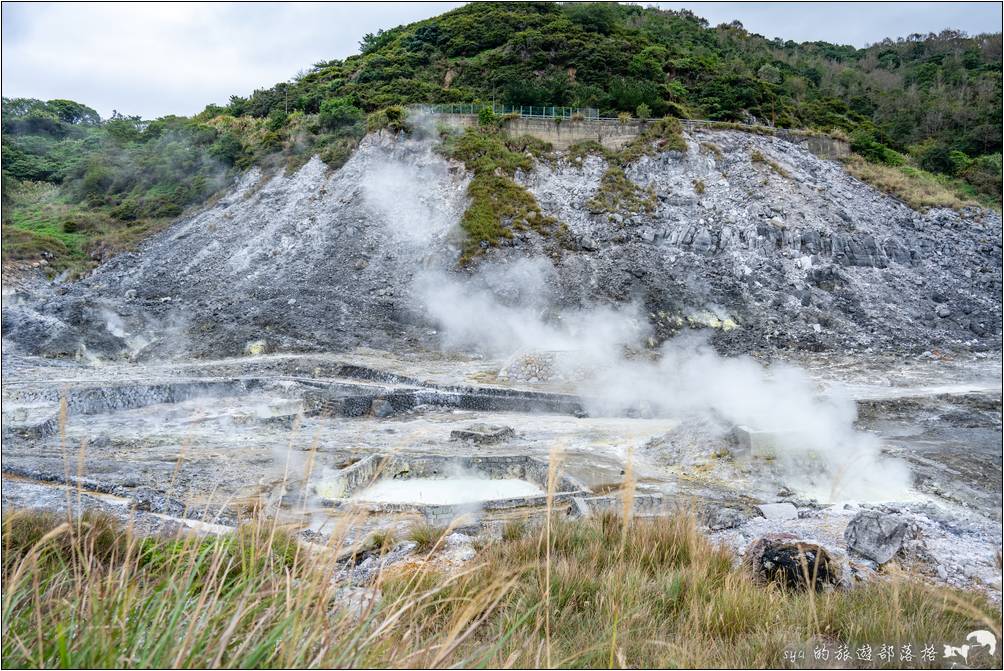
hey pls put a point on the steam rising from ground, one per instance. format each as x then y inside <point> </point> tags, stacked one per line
<point>505,308</point>
<point>508,309</point>
<point>398,194</point>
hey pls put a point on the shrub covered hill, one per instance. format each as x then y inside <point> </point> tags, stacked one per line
<point>77,188</point>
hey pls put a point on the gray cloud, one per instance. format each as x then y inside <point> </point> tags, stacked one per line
<point>153,59</point>
<point>855,23</point>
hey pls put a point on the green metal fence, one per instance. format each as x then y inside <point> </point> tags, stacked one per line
<point>541,112</point>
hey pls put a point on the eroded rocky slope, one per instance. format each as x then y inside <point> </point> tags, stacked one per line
<point>790,247</point>
<point>754,238</point>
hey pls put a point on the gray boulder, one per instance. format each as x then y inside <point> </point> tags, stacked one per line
<point>875,535</point>
<point>483,434</point>
<point>381,408</point>
<point>778,511</point>
<point>723,518</point>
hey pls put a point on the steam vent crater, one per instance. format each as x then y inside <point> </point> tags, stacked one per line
<point>490,485</point>
<point>735,328</point>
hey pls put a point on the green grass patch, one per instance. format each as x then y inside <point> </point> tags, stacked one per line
<point>499,207</point>
<point>426,536</point>
<point>758,157</point>
<point>617,193</point>
<point>71,237</point>
<point>712,149</point>
<point>581,150</point>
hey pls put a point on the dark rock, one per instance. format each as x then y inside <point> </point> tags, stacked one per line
<point>703,242</point>
<point>717,519</point>
<point>897,252</point>
<point>793,563</point>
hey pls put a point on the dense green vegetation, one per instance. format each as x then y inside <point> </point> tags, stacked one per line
<point>920,110</point>
<point>934,100</point>
<point>76,189</point>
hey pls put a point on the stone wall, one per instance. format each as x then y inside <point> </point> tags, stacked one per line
<point>614,133</point>
<point>335,492</point>
<point>611,133</point>
<point>823,146</point>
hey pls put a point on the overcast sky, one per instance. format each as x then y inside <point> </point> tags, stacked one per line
<point>153,59</point>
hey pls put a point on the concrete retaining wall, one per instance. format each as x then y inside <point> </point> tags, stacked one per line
<point>615,134</point>
<point>97,399</point>
<point>823,146</point>
<point>642,505</point>
<point>611,133</point>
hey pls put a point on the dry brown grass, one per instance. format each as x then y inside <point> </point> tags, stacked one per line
<point>756,156</point>
<point>712,148</point>
<point>611,591</point>
<point>916,188</point>
<point>593,593</point>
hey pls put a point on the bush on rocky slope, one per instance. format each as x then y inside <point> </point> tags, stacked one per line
<point>498,205</point>
<point>919,189</point>
<point>616,193</point>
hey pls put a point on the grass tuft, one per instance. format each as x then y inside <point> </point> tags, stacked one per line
<point>713,149</point>
<point>592,593</point>
<point>514,530</point>
<point>383,540</point>
<point>756,156</point>
<point>426,536</point>
<point>616,192</point>
<point>498,205</point>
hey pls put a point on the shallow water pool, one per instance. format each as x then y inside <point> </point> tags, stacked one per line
<point>446,491</point>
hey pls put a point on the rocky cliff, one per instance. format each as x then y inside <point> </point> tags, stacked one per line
<point>750,237</point>
<point>792,249</point>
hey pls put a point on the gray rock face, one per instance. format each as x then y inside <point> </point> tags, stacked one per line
<point>723,518</point>
<point>816,260</point>
<point>345,245</point>
<point>326,260</point>
<point>875,535</point>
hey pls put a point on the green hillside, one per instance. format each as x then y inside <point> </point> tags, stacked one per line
<point>921,108</point>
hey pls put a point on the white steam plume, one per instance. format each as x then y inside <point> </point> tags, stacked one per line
<point>507,309</point>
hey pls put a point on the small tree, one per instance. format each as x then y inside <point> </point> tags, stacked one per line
<point>338,113</point>
<point>487,117</point>
<point>643,111</point>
